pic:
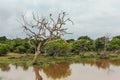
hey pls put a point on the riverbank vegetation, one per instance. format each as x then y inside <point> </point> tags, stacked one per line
<point>27,60</point>
<point>61,47</point>
<point>84,48</point>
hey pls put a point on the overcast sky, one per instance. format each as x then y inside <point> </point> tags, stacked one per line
<point>94,18</point>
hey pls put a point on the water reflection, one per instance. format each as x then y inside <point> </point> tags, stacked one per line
<point>58,70</point>
<point>104,64</point>
<point>115,62</point>
<point>37,74</point>
<point>4,67</point>
<point>24,66</point>
<point>107,69</point>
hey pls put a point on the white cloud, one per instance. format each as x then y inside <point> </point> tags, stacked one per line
<point>91,17</point>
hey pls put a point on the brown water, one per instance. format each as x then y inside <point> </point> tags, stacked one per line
<point>90,70</point>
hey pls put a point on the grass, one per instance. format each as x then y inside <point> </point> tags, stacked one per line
<point>23,59</point>
<point>14,58</point>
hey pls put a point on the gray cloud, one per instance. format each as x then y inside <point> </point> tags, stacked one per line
<point>91,17</point>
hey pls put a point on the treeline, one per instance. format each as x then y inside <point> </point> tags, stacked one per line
<point>59,46</point>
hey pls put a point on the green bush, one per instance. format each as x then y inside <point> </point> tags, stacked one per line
<point>82,45</point>
<point>3,49</point>
<point>20,49</point>
<point>57,47</point>
<point>114,44</point>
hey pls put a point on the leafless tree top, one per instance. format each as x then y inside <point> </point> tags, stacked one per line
<point>45,28</point>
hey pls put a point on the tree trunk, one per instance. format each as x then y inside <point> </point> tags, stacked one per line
<point>38,52</point>
<point>36,58</point>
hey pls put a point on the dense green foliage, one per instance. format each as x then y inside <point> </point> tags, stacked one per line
<point>17,45</point>
<point>3,38</point>
<point>59,46</point>
<point>21,46</point>
<point>83,43</point>
<point>3,49</point>
<point>99,43</point>
<point>114,43</point>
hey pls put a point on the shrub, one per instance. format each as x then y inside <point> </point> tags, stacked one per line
<point>20,49</point>
<point>57,47</point>
<point>3,49</point>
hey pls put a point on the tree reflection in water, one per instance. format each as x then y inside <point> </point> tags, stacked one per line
<point>37,74</point>
<point>104,64</point>
<point>57,71</point>
<point>4,67</point>
<point>54,71</point>
<point>115,62</point>
<point>24,66</point>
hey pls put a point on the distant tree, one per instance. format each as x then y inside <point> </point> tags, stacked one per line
<point>3,38</point>
<point>20,49</point>
<point>14,44</point>
<point>3,49</point>
<point>70,40</point>
<point>83,44</point>
<point>101,45</point>
<point>118,37</point>
<point>19,45</point>
<point>57,47</point>
<point>114,43</point>
<point>84,37</point>
<point>44,29</point>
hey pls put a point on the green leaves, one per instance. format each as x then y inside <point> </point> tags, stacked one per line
<point>115,43</point>
<point>100,43</point>
<point>57,47</point>
<point>84,43</point>
<point>3,49</point>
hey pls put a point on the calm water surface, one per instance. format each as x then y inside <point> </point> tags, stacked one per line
<point>90,70</point>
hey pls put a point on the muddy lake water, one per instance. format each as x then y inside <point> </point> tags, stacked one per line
<point>85,70</point>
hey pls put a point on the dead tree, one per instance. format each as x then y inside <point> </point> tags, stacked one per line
<point>44,29</point>
<point>104,53</point>
<point>106,42</point>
